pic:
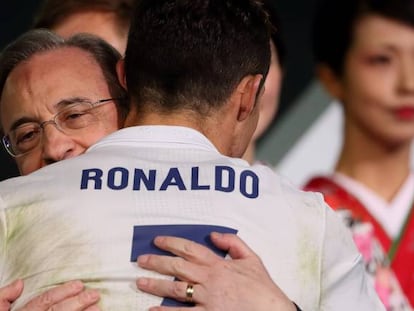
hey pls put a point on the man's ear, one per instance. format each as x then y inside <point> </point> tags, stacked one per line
<point>247,94</point>
<point>120,70</point>
<point>330,81</point>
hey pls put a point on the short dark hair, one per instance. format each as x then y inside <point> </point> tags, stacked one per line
<point>52,12</point>
<point>193,53</point>
<point>41,40</point>
<point>335,22</point>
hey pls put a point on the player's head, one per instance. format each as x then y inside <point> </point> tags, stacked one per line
<point>108,19</point>
<point>67,82</point>
<point>194,54</point>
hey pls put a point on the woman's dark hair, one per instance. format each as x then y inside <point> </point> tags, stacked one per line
<point>335,22</point>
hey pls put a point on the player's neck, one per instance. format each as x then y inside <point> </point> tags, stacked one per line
<point>214,128</point>
<point>250,153</point>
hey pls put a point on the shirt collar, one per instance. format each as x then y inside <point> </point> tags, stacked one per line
<point>153,135</point>
<point>391,215</point>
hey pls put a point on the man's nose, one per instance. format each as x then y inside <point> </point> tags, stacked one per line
<point>56,145</point>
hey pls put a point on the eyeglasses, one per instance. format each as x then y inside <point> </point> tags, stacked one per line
<point>70,120</point>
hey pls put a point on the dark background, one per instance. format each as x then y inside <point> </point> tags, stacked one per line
<point>296,17</point>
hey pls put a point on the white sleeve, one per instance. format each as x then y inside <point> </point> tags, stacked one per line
<point>345,283</point>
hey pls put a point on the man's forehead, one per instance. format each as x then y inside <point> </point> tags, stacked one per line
<point>61,65</point>
<point>36,87</point>
<point>65,57</point>
<point>54,75</point>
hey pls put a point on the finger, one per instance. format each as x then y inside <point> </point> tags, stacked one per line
<point>172,289</point>
<point>231,243</point>
<point>85,300</point>
<point>53,296</point>
<point>173,266</point>
<point>187,249</point>
<point>10,293</point>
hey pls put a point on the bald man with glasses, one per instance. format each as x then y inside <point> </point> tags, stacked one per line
<point>76,118</point>
<point>47,111</point>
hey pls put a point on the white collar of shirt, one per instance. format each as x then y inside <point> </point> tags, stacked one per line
<point>158,136</point>
<point>391,215</point>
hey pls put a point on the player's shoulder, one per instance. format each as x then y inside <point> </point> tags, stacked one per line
<point>42,178</point>
<point>282,188</point>
<point>274,181</point>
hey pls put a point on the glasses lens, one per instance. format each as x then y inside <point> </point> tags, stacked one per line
<point>76,116</point>
<point>22,139</point>
<point>6,143</point>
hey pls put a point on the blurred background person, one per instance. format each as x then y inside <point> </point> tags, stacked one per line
<point>270,99</point>
<point>108,19</point>
<point>365,55</point>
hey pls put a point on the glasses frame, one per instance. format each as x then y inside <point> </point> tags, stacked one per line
<point>6,140</point>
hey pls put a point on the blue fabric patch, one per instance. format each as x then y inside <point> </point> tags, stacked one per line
<point>143,238</point>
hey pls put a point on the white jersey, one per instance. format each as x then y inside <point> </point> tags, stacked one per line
<point>88,218</point>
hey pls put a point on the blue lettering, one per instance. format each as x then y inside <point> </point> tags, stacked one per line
<point>94,175</point>
<point>173,179</point>
<point>230,179</point>
<point>149,181</point>
<point>254,191</point>
<point>112,173</point>
<point>195,182</point>
<point>118,179</point>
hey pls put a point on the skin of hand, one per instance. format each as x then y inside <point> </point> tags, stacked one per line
<point>241,284</point>
<point>70,296</point>
<point>10,293</point>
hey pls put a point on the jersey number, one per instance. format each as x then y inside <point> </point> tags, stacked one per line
<point>142,242</point>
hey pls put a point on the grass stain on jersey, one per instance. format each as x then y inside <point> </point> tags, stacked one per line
<point>40,247</point>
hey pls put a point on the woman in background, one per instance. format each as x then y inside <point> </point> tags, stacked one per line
<point>270,100</point>
<point>365,58</point>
